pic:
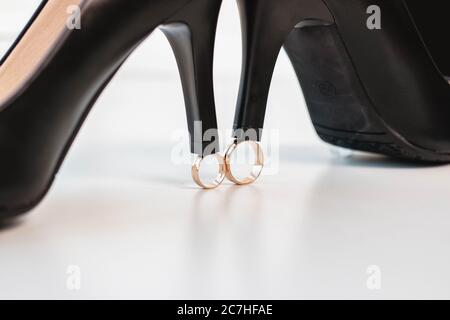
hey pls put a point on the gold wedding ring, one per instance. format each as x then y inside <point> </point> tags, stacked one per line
<point>219,178</point>
<point>257,168</point>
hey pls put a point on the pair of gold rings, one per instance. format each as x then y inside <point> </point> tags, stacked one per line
<point>225,167</point>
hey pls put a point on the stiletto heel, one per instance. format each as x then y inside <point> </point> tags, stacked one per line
<point>265,27</point>
<point>53,74</point>
<point>192,34</point>
<point>371,89</point>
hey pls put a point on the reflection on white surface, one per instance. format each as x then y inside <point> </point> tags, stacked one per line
<point>138,228</point>
<point>312,231</point>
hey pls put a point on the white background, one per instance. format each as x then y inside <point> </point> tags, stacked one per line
<point>137,227</point>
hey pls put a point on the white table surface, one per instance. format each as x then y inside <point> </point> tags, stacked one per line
<point>136,227</point>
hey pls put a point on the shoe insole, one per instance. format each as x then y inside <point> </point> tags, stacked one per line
<point>36,43</point>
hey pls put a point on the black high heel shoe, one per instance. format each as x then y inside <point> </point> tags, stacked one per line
<point>369,79</point>
<point>63,60</point>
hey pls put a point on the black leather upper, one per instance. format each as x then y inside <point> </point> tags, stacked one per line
<point>432,20</point>
<point>38,125</point>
